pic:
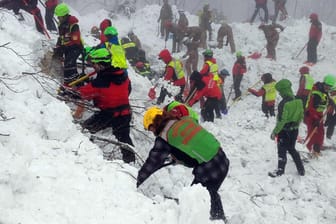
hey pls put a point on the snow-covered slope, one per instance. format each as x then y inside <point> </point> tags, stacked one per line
<point>51,173</point>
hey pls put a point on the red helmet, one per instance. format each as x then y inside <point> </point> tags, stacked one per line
<point>104,24</point>
<point>313,16</point>
<point>165,56</point>
<point>304,70</point>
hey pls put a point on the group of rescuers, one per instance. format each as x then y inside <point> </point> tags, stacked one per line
<point>179,136</point>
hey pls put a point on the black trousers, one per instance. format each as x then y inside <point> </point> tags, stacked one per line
<point>286,143</point>
<point>120,129</point>
<point>213,182</point>
<point>222,107</point>
<point>330,123</point>
<point>71,54</point>
<point>268,110</point>
<point>49,16</point>
<point>236,84</point>
<point>208,109</point>
<point>312,51</point>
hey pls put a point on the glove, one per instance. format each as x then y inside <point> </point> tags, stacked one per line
<point>152,93</point>
<point>273,136</point>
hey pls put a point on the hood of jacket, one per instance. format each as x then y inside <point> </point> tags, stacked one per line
<point>284,87</point>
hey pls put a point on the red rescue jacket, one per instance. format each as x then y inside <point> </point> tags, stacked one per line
<point>51,3</point>
<point>239,67</point>
<point>315,32</point>
<point>210,89</point>
<point>114,96</point>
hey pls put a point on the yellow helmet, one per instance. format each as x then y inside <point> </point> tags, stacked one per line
<point>149,116</point>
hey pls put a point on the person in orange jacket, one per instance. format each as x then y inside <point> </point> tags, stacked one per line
<point>268,93</point>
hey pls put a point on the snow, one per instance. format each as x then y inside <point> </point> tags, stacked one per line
<point>50,172</point>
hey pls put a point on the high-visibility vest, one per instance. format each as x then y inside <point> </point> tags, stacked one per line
<point>324,100</point>
<point>118,57</point>
<point>213,68</point>
<point>309,82</point>
<point>191,138</point>
<point>177,66</point>
<point>270,91</point>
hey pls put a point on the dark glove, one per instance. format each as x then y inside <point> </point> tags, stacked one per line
<point>152,93</point>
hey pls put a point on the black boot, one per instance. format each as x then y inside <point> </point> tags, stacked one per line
<point>276,173</point>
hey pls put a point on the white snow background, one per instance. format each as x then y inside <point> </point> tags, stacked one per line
<point>51,173</point>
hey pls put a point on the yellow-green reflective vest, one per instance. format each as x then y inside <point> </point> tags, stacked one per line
<point>118,57</point>
<point>177,66</point>
<point>213,68</point>
<point>270,91</point>
<point>324,100</point>
<point>309,82</point>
